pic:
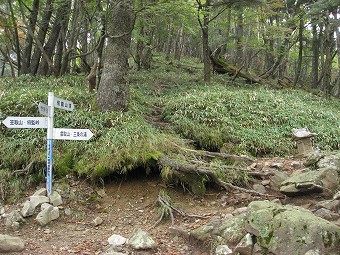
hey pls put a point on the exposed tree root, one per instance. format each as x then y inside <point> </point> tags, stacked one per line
<point>190,168</point>
<point>210,154</point>
<point>168,207</point>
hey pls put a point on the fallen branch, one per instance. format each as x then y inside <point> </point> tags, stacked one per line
<point>210,154</point>
<point>189,168</point>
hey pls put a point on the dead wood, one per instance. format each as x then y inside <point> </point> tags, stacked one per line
<point>190,168</point>
<point>210,154</point>
<point>220,66</point>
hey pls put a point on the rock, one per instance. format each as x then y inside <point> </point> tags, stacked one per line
<point>337,196</point>
<point>68,211</point>
<point>116,240</point>
<point>111,250</point>
<point>47,215</point>
<point>277,165</point>
<point>265,182</point>
<point>259,188</point>
<point>38,200</point>
<point>333,205</point>
<point>330,161</point>
<point>2,209</point>
<point>55,199</point>
<point>322,180</point>
<point>44,206</point>
<point>239,211</point>
<point>12,218</point>
<point>295,164</point>
<point>141,240</point>
<point>277,179</point>
<point>97,221</point>
<point>290,229</point>
<point>223,250</point>
<point>27,209</point>
<point>11,244</point>
<point>41,192</point>
<point>313,158</point>
<point>222,231</point>
<point>246,245</point>
<point>326,214</point>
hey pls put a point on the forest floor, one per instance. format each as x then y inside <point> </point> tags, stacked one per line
<point>130,203</point>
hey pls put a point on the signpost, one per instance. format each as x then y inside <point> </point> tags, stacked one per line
<point>52,133</point>
<point>25,122</point>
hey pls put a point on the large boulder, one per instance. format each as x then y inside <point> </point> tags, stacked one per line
<point>222,231</point>
<point>11,244</point>
<point>282,230</point>
<point>321,180</point>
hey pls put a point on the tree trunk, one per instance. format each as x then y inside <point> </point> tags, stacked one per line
<point>328,62</point>
<point>41,36</point>
<point>113,91</point>
<point>205,42</point>
<point>239,31</point>
<point>169,42</point>
<point>299,63</point>
<point>179,43</point>
<point>61,20</point>
<point>26,56</point>
<point>315,58</point>
<point>16,36</point>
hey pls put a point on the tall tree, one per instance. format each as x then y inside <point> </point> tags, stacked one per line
<point>113,91</point>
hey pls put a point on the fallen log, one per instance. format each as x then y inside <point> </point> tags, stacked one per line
<point>222,67</point>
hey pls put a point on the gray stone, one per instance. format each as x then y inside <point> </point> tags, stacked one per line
<point>277,179</point>
<point>246,245</point>
<point>47,215</point>
<point>313,158</point>
<point>38,200</point>
<point>333,205</point>
<point>41,192</point>
<point>290,229</point>
<point>55,199</point>
<point>239,211</point>
<point>223,250</point>
<point>295,164</point>
<point>277,165</point>
<point>11,244</point>
<point>97,221</point>
<point>259,188</point>
<point>44,206</point>
<point>13,217</point>
<point>27,209</point>
<point>116,240</point>
<point>2,209</point>
<point>326,214</point>
<point>322,180</point>
<point>68,211</point>
<point>330,161</point>
<point>222,231</point>
<point>141,240</point>
<point>111,250</point>
<point>337,196</point>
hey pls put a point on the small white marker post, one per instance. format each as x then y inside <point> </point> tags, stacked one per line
<point>49,158</point>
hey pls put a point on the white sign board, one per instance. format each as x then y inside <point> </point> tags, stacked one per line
<point>43,109</point>
<point>72,134</point>
<point>25,122</point>
<point>63,104</point>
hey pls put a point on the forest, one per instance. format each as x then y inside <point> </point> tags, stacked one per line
<point>276,42</point>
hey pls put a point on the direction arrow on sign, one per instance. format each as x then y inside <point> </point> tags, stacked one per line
<point>43,109</point>
<point>25,122</point>
<point>63,104</point>
<point>72,134</point>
